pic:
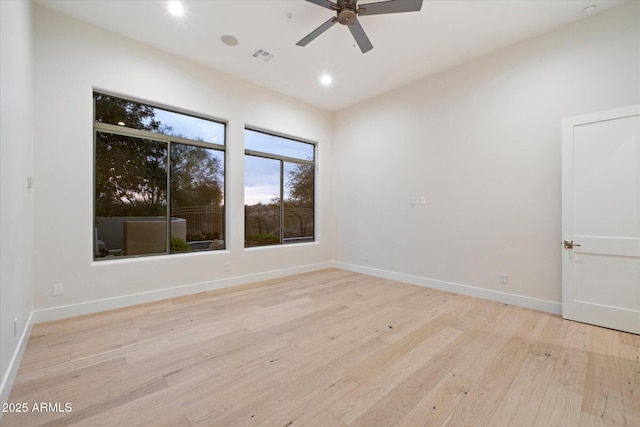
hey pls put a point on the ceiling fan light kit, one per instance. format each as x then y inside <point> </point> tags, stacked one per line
<point>347,12</point>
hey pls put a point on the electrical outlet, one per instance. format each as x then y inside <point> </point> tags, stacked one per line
<point>227,266</point>
<point>504,279</point>
<point>366,257</point>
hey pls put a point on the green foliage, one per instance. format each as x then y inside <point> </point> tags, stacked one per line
<point>262,219</point>
<point>196,176</point>
<point>179,245</point>
<point>112,110</point>
<point>131,176</point>
<point>300,185</point>
<point>203,236</point>
<point>261,240</point>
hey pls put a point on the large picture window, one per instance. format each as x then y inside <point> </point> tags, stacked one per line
<point>159,180</point>
<point>279,190</point>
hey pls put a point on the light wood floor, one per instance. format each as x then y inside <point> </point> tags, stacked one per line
<point>330,348</point>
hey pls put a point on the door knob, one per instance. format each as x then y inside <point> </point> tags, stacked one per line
<point>568,244</point>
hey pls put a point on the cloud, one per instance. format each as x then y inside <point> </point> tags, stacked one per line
<point>260,194</point>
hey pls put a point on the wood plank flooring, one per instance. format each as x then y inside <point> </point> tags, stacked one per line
<point>329,348</point>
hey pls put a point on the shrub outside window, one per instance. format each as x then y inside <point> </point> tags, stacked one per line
<point>159,180</point>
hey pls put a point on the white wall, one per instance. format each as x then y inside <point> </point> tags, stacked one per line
<point>482,144</point>
<point>16,204</point>
<point>73,58</point>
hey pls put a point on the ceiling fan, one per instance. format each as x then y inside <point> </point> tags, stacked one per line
<point>347,12</point>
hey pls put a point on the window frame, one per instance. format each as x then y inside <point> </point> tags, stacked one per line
<point>282,159</point>
<point>168,140</point>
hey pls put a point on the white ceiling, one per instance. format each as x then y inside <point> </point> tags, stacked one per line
<point>407,46</point>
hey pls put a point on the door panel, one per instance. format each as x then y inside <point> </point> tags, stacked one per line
<point>601,214</point>
<point>595,272</point>
<point>606,179</point>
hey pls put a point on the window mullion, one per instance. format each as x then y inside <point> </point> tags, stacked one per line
<point>278,157</point>
<point>169,203</point>
<point>137,133</point>
<point>281,201</point>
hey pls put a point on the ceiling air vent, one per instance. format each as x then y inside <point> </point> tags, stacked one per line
<point>262,55</point>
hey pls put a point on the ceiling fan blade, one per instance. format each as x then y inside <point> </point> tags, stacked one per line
<point>324,3</point>
<point>315,33</point>
<point>391,6</point>
<point>361,37</point>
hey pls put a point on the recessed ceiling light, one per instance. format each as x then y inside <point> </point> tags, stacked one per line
<point>589,9</point>
<point>175,7</point>
<point>326,79</point>
<point>229,40</point>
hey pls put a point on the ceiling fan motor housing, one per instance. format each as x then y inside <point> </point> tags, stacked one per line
<point>347,16</point>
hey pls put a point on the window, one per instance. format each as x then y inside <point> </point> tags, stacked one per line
<point>159,180</point>
<point>278,190</point>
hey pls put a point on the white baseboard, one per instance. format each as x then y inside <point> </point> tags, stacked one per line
<point>62,312</point>
<point>488,294</point>
<point>9,377</point>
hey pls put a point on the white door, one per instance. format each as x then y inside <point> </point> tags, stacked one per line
<point>601,219</point>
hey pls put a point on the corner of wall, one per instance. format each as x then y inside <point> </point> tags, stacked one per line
<point>16,209</point>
